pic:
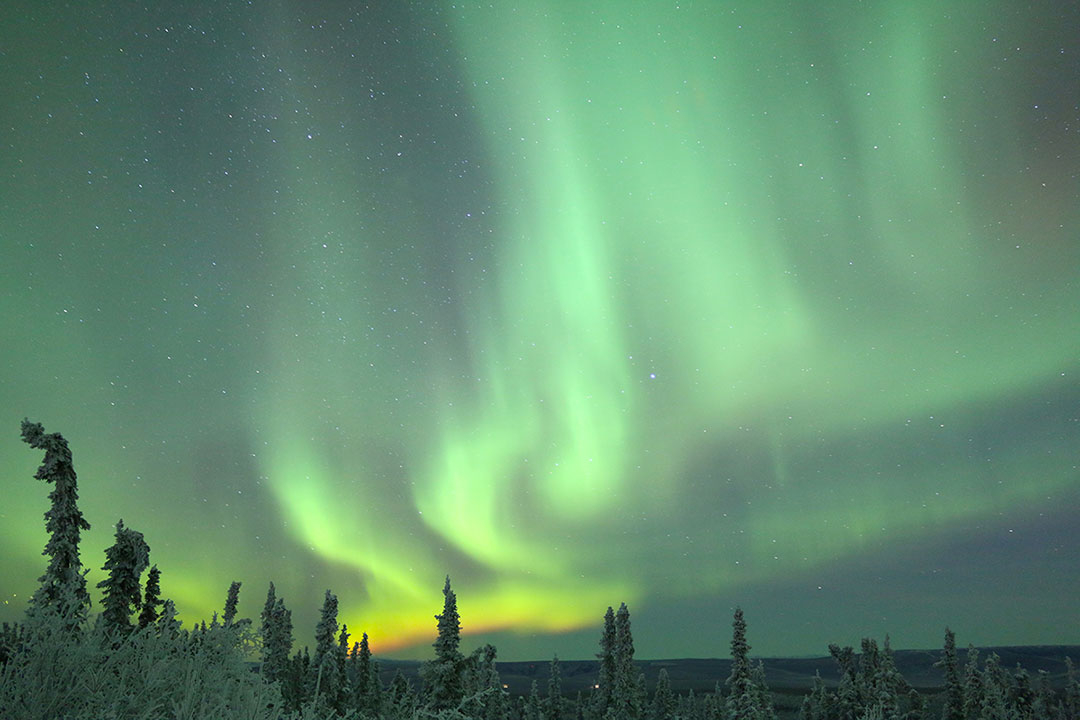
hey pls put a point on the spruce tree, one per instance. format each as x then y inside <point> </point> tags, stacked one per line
<point>995,700</point>
<point>400,699</point>
<point>442,676</point>
<point>663,703</point>
<point>365,690</point>
<point>124,562</point>
<point>606,676</point>
<point>276,632</point>
<point>1044,702</point>
<point>554,707</point>
<point>815,706</point>
<point>324,681</point>
<point>63,586</point>
<point>954,688</point>
<point>1071,701</point>
<point>167,624</point>
<point>917,705</point>
<point>344,692</point>
<point>151,598</point>
<point>743,702</point>
<point>624,696</point>
<point>1020,692</point>
<point>972,685</point>
<point>761,690</point>
<point>231,600</point>
<point>532,704</point>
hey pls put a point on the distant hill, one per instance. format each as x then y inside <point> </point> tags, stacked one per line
<point>784,675</point>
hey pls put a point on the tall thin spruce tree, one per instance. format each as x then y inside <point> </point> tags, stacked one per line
<point>231,601</point>
<point>63,586</point>
<point>554,707</point>
<point>442,676</point>
<point>276,632</point>
<point>748,698</point>
<point>324,681</point>
<point>124,562</point>
<point>954,688</point>
<point>663,703</point>
<point>151,598</point>
<point>625,698</point>
<point>605,680</point>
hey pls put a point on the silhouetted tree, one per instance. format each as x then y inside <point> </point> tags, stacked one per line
<point>625,698</point>
<point>124,562</point>
<point>343,695</point>
<point>167,623</point>
<point>151,598</point>
<point>231,601</point>
<point>605,681</point>
<point>63,586</point>
<point>366,690</point>
<point>276,632</point>
<point>442,676</point>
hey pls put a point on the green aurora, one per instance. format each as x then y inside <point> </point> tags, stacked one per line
<point>686,305</point>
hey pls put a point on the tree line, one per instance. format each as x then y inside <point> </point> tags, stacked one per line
<point>135,660</point>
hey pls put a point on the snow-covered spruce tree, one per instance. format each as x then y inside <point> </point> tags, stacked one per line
<point>605,681</point>
<point>663,702</point>
<point>151,598</point>
<point>624,695</point>
<point>816,705</point>
<point>324,680</point>
<point>276,633</point>
<point>341,654</point>
<point>443,686</point>
<point>1071,701</point>
<point>553,707</point>
<point>764,697</point>
<point>1044,703</point>
<point>1020,692</point>
<point>532,704</point>
<point>294,684</point>
<point>484,694</point>
<point>401,702</point>
<point>364,677</point>
<point>917,705</point>
<point>847,705</point>
<point>745,698</point>
<point>995,700</point>
<point>954,688</point>
<point>63,586</point>
<point>121,590</point>
<point>231,601</point>
<point>973,690</point>
<point>891,679</point>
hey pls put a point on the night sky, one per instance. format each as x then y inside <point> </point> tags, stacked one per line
<point>684,304</point>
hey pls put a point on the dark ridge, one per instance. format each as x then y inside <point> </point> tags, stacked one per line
<point>784,675</point>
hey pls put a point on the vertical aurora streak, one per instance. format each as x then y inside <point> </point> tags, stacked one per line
<point>678,304</point>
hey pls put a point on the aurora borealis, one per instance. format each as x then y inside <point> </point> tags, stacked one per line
<point>683,304</point>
